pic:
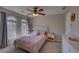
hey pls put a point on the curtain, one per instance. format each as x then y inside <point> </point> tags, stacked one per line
<point>30,25</point>
<point>3,31</point>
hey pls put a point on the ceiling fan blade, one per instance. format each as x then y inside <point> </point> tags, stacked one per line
<point>29,10</point>
<point>42,14</point>
<point>64,7</point>
<point>41,10</point>
<point>29,13</point>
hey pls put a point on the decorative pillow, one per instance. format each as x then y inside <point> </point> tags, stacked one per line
<point>38,33</point>
<point>42,33</point>
<point>51,40</point>
<point>49,35</point>
<point>45,33</point>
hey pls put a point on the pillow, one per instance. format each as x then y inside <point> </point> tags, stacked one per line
<point>42,33</point>
<point>49,35</point>
<point>38,34</point>
<point>34,33</point>
<point>45,33</point>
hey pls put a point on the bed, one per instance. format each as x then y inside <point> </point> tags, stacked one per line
<point>31,43</point>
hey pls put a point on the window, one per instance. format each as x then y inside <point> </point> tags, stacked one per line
<point>11,27</point>
<point>24,27</point>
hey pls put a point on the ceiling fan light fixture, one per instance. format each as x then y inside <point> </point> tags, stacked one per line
<point>35,14</point>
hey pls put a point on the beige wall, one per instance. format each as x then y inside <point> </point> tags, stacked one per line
<point>56,24</point>
<point>75,25</point>
<point>72,27</point>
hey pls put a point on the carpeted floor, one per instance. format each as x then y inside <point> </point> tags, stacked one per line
<point>49,47</point>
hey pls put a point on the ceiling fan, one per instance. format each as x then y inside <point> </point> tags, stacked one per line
<point>36,11</point>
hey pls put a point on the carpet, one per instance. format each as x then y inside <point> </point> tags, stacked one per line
<point>49,47</point>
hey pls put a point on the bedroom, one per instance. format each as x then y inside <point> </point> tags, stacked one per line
<point>54,23</point>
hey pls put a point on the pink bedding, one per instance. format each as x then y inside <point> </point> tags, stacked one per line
<point>31,43</point>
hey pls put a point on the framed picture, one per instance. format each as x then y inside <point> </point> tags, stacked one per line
<point>72,17</point>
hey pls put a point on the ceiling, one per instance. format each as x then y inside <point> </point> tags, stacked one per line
<point>48,10</point>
